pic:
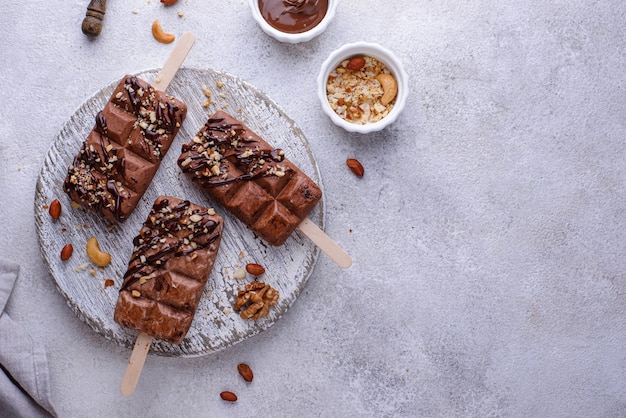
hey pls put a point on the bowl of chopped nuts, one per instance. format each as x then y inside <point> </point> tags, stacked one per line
<point>293,21</point>
<point>362,87</point>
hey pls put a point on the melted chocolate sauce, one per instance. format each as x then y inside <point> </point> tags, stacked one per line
<point>112,189</point>
<point>133,94</point>
<point>101,123</point>
<point>293,16</point>
<point>167,116</point>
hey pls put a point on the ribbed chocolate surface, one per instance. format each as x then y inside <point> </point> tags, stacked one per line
<point>172,258</point>
<point>122,153</point>
<point>249,177</point>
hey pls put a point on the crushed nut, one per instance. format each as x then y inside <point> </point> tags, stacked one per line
<point>240,274</point>
<point>254,301</point>
<point>355,93</point>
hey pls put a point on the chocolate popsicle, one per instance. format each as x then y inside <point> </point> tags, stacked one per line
<point>172,258</point>
<point>249,177</point>
<point>122,153</point>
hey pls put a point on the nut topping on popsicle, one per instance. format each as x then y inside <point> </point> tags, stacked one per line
<point>250,178</point>
<point>172,258</point>
<point>121,155</point>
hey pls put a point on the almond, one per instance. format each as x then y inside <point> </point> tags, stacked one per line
<point>66,252</point>
<point>355,166</point>
<point>228,396</point>
<point>55,209</point>
<point>255,269</point>
<point>245,371</point>
<point>356,63</point>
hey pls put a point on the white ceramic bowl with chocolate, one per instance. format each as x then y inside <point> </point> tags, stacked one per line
<point>362,87</point>
<point>293,21</point>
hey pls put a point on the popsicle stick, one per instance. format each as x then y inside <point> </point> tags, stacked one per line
<point>174,61</point>
<point>135,364</point>
<point>325,243</point>
<point>143,342</point>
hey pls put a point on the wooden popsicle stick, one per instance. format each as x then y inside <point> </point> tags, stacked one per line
<point>325,243</point>
<point>135,364</point>
<point>174,61</point>
<point>143,342</point>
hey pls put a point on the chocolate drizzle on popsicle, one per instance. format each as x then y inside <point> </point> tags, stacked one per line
<point>172,258</point>
<point>101,123</point>
<point>137,123</point>
<point>194,230</point>
<point>293,16</point>
<point>250,178</point>
<point>221,142</point>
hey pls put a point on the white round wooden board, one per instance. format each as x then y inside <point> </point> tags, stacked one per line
<point>216,324</point>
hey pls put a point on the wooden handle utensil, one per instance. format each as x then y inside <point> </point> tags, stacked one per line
<point>92,23</point>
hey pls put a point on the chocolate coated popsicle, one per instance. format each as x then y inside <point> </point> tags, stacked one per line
<point>249,177</point>
<point>121,155</point>
<point>171,262</point>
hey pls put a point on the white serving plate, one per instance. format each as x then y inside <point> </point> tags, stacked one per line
<point>216,324</point>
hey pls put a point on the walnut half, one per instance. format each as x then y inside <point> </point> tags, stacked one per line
<point>254,301</point>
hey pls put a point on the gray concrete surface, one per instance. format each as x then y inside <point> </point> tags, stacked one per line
<point>488,232</point>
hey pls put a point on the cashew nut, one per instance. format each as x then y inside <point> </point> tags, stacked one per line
<point>96,255</point>
<point>390,88</point>
<point>160,35</point>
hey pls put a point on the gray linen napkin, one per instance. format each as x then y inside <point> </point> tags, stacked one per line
<point>24,378</point>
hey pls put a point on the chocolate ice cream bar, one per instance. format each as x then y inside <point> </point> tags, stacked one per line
<point>170,265</point>
<point>121,155</point>
<point>250,178</point>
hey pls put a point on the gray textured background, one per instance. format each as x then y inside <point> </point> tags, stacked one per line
<point>488,233</point>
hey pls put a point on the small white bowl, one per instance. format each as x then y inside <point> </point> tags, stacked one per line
<point>381,54</point>
<point>293,38</point>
